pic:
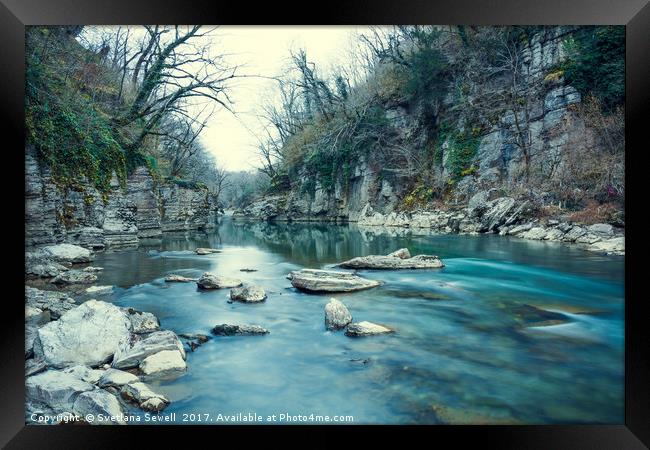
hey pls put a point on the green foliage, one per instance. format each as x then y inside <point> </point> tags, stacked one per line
<point>461,151</point>
<point>419,196</point>
<point>596,63</point>
<point>71,134</point>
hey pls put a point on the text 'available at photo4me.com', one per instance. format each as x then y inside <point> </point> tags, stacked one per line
<point>206,418</point>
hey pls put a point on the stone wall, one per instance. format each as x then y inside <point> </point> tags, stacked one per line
<point>83,216</point>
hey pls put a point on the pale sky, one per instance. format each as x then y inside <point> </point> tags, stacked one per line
<point>265,51</point>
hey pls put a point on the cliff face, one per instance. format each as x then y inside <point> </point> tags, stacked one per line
<point>83,216</point>
<point>548,116</point>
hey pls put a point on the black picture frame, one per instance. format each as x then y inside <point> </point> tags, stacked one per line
<point>634,14</point>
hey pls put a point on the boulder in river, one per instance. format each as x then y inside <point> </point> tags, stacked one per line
<point>133,349</point>
<point>206,251</point>
<point>99,290</point>
<point>142,395</point>
<point>98,402</point>
<point>85,373</point>
<point>364,328</point>
<point>164,361</point>
<point>337,315</point>
<point>142,322</point>
<point>400,259</point>
<point>67,253</point>
<point>116,378</point>
<point>248,294</point>
<point>173,278</point>
<point>88,335</point>
<point>75,277</point>
<point>43,268</point>
<point>54,390</point>
<point>238,330</point>
<point>315,280</point>
<point>212,281</point>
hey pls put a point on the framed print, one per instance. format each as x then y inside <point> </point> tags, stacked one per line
<point>401,220</point>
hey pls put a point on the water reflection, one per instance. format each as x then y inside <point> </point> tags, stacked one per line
<point>469,347</point>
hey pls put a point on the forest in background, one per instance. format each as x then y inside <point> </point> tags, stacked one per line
<point>105,101</point>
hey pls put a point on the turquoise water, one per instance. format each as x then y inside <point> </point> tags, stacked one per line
<point>468,346</point>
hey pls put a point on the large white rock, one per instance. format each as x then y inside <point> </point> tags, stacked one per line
<point>337,315</point>
<point>401,259</point>
<point>87,335</point>
<point>133,349</point>
<point>315,280</point>
<point>55,390</point>
<point>75,277</point>
<point>116,378</point>
<point>366,329</point>
<point>614,246</point>
<point>68,253</point>
<point>164,361</point>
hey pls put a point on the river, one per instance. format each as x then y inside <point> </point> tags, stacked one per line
<point>471,342</point>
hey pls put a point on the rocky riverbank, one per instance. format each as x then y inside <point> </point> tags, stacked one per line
<point>143,208</point>
<point>485,212</point>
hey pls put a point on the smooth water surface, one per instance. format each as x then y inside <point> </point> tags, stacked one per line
<point>468,346</point>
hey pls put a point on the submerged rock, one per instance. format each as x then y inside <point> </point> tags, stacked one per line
<point>164,361</point>
<point>238,330</point>
<point>248,294</point>
<point>206,251</point>
<point>99,290</point>
<point>315,280</point>
<point>401,259</point>
<point>337,315</point>
<point>88,335</point>
<point>212,281</point>
<point>532,316</point>
<point>133,349</point>
<point>75,277</point>
<point>366,329</point>
<point>173,278</point>
<point>142,395</point>
<point>194,341</point>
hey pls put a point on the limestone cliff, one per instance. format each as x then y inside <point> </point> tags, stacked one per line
<point>144,208</point>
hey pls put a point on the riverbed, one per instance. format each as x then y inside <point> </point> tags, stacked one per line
<point>478,341</point>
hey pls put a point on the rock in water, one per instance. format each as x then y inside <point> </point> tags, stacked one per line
<point>402,253</point>
<point>238,330</point>
<point>142,322</point>
<point>68,253</point>
<point>55,390</point>
<point>144,397</point>
<point>173,278</point>
<point>133,349</point>
<point>314,280</point>
<point>401,259</point>
<point>249,294</point>
<point>43,268</point>
<point>75,277</point>
<point>88,335</point>
<point>99,290</point>
<point>164,361</point>
<point>211,281</point>
<point>337,315</point>
<point>99,402</point>
<point>206,251</point>
<point>366,329</point>
<point>85,373</point>
<point>116,378</point>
